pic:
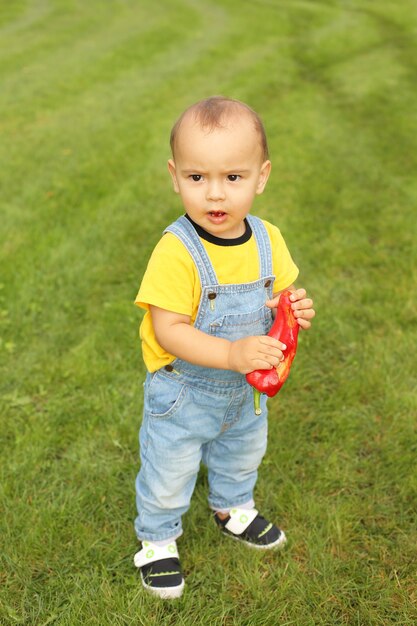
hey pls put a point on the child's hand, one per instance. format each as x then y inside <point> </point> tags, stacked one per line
<point>254,353</point>
<point>302,307</point>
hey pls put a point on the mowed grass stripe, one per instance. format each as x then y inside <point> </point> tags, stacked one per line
<point>21,15</point>
<point>121,44</point>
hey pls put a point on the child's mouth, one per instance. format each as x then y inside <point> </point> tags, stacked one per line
<point>217,217</point>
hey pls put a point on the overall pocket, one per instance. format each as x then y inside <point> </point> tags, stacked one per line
<point>163,396</point>
<point>239,325</point>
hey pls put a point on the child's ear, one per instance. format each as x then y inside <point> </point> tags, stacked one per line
<point>263,176</point>
<point>173,172</point>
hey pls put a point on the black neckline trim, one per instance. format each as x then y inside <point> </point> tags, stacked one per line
<point>219,241</point>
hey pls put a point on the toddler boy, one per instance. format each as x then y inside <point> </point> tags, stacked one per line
<point>210,289</point>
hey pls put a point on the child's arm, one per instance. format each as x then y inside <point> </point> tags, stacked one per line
<point>175,334</point>
<point>302,306</point>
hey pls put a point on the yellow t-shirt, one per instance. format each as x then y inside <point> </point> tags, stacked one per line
<point>171,280</point>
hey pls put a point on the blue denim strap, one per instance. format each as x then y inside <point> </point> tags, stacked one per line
<point>264,245</point>
<point>186,233</point>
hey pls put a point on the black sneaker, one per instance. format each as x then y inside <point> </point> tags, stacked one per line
<point>248,526</point>
<point>160,569</point>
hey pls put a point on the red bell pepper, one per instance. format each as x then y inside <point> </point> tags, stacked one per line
<point>285,328</point>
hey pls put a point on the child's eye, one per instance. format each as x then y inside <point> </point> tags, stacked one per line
<point>196,177</point>
<point>233,177</point>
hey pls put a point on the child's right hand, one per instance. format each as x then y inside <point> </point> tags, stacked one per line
<point>255,353</point>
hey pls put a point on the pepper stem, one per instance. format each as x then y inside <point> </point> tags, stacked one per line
<point>257,401</point>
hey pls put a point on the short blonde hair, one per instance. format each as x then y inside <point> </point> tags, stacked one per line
<point>211,112</point>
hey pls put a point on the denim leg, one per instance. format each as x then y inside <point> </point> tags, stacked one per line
<point>234,456</point>
<point>164,484</point>
<point>170,460</point>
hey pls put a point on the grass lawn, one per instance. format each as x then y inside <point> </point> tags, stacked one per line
<point>88,94</point>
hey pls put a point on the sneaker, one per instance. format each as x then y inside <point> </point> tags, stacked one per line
<point>248,526</point>
<point>160,569</point>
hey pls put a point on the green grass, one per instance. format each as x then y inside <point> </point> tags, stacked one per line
<point>89,91</point>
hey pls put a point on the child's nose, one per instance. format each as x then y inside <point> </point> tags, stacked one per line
<point>215,191</point>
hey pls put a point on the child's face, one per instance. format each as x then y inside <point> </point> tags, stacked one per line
<point>219,173</point>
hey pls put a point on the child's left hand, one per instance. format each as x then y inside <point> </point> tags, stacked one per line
<point>302,306</point>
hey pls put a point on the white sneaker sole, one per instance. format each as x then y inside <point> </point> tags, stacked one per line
<point>166,593</point>
<point>279,543</point>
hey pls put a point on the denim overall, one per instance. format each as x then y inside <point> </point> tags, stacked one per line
<point>194,414</point>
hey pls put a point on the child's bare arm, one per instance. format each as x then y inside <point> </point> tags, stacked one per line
<point>302,306</point>
<point>177,336</point>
